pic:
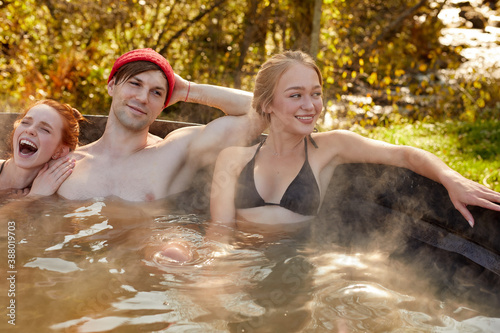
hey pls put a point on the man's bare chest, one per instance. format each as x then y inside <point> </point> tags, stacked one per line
<point>137,180</point>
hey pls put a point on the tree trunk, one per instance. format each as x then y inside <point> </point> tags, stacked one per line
<point>247,39</point>
<point>301,24</point>
<point>316,28</point>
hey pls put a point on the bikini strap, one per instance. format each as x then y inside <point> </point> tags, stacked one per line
<point>305,148</point>
<point>312,141</point>
<point>258,148</point>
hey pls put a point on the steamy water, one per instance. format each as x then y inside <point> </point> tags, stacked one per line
<point>95,266</point>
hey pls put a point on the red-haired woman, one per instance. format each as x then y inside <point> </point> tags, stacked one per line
<point>42,137</point>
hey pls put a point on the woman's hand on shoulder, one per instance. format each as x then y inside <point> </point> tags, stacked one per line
<point>50,177</point>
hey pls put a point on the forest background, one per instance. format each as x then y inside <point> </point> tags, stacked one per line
<point>386,73</point>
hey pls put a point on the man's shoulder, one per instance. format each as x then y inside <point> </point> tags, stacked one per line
<point>181,135</point>
<point>185,131</point>
<point>82,152</point>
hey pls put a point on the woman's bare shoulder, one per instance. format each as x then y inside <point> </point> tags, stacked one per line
<point>336,133</point>
<point>338,137</point>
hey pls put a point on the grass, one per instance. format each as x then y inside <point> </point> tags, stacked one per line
<point>473,149</point>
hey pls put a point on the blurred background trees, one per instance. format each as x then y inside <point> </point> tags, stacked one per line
<point>381,59</point>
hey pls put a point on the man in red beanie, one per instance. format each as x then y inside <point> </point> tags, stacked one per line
<point>127,161</point>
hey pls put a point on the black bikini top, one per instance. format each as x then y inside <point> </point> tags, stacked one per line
<point>302,195</point>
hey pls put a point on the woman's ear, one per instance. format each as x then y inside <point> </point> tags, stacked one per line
<point>62,151</point>
<point>267,109</point>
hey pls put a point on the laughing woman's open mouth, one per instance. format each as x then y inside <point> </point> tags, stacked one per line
<point>27,148</point>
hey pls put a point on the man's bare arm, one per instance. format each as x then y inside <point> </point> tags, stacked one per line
<point>231,101</point>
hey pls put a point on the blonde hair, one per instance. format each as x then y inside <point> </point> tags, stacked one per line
<point>270,73</point>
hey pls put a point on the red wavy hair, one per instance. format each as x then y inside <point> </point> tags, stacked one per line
<point>71,121</point>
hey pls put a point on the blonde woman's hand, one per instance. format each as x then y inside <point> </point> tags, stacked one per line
<point>464,192</point>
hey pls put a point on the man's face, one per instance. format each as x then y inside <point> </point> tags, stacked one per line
<point>138,101</point>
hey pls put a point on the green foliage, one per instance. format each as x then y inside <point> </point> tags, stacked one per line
<point>386,51</point>
<point>64,49</point>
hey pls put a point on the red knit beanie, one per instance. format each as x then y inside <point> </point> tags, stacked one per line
<point>151,56</point>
